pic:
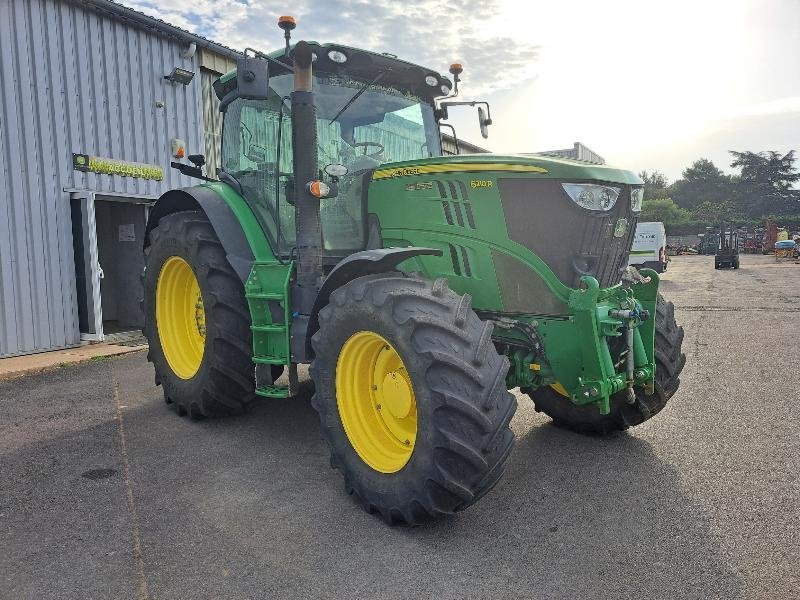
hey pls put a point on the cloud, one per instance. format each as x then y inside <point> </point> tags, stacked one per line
<point>434,33</point>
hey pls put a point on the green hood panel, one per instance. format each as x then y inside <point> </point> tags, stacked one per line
<point>538,166</point>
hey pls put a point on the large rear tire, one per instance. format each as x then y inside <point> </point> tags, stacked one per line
<point>587,418</point>
<point>196,319</point>
<point>412,397</point>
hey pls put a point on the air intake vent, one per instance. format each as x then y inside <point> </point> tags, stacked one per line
<point>459,256</point>
<point>456,207</point>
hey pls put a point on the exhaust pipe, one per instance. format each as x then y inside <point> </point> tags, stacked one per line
<point>306,169</point>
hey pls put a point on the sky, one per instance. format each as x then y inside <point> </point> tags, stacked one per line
<point>646,84</point>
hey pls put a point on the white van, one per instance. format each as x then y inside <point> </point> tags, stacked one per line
<point>649,247</point>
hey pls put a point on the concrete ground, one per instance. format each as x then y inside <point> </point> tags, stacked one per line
<point>19,366</point>
<point>106,493</point>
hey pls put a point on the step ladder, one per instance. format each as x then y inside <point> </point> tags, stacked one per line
<point>267,294</point>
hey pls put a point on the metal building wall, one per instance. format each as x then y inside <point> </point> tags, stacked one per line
<point>212,122</point>
<point>449,147</point>
<point>72,80</point>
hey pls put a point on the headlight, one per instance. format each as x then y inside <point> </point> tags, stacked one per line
<point>636,199</point>
<point>337,56</point>
<point>432,80</point>
<point>591,196</point>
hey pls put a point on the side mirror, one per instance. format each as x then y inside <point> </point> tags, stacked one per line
<point>483,122</point>
<point>252,78</point>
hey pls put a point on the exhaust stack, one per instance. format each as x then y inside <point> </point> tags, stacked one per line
<point>306,169</point>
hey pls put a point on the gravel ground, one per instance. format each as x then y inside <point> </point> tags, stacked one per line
<point>106,493</point>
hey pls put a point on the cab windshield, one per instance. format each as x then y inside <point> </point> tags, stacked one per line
<point>382,125</point>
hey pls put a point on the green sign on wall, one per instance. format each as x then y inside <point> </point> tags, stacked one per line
<point>110,166</point>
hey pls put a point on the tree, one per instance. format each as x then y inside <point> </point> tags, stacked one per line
<point>765,185</point>
<point>702,182</point>
<point>715,212</point>
<point>666,211</point>
<point>655,185</point>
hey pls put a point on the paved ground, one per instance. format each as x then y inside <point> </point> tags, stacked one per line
<point>106,493</point>
<point>18,366</point>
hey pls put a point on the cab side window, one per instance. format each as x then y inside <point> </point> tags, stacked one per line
<point>250,141</point>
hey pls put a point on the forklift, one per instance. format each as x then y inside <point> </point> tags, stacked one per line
<point>727,255</point>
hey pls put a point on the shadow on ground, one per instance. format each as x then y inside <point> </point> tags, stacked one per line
<point>248,507</point>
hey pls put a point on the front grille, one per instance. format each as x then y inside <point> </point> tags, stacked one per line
<point>573,241</point>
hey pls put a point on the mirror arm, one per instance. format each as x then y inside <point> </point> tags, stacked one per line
<point>190,171</point>
<point>269,59</point>
<point>444,106</point>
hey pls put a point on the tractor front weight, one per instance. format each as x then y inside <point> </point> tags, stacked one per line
<point>605,346</point>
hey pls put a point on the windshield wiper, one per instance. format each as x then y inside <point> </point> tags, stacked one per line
<point>355,97</point>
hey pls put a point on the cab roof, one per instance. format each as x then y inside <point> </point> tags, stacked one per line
<point>363,65</point>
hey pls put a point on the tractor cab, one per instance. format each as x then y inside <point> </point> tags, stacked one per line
<point>370,109</point>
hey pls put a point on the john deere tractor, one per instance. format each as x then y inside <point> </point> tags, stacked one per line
<point>420,288</point>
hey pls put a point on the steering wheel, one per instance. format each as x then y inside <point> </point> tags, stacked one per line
<point>366,145</point>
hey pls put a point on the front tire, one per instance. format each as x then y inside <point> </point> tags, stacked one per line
<point>197,322</point>
<point>587,418</point>
<point>411,396</point>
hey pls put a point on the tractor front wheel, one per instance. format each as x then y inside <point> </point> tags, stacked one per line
<point>196,319</point>
<point>587,418</point>
<point>412,397</point>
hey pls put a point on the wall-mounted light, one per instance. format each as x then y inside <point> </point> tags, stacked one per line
<point>182,76</point>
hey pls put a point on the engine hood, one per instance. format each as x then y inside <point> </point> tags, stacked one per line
<point>538,166</point>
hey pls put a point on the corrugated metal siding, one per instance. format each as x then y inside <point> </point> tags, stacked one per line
<point>449,147</point>
<point>212,122</point>
<point>74,81</point>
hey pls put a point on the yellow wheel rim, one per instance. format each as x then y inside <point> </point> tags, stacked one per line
<point>376,402</point>
<point>180,317</point>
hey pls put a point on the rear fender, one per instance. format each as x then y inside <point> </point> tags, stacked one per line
<point>226,225</point>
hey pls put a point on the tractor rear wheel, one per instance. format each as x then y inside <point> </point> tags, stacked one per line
<point>587,418</point>
<point>196,319</point>
<point>412,397</point>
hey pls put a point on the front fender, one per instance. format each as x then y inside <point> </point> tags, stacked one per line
<point>367,262</point>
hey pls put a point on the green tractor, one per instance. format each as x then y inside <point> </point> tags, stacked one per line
<point>420,288</point>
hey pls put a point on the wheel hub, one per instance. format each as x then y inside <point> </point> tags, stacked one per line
<point>180,317</point>
<point>376,401</point>
<point>397,395</point>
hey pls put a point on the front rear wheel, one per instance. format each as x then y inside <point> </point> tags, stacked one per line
<point>412,397</point>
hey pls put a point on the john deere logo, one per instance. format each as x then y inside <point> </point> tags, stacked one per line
<point>620,228</point>
<point>80,162</point>
<point>397,172</point>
